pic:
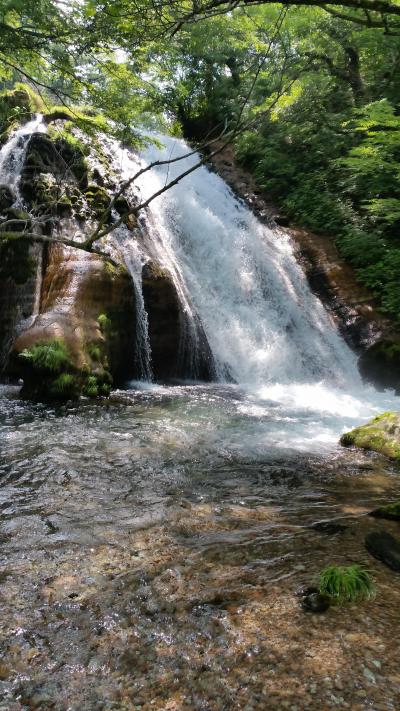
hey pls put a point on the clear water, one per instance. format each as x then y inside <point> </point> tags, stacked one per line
<point>150,544</point>
<point>150,547</point>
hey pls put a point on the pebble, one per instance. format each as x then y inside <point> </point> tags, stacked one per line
<point>369,675</point>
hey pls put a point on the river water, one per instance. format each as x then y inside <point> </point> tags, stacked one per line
<point>151,545</point>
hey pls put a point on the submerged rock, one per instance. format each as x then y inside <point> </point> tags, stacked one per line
<point>330,528</point>
<point>384,547</point>
<point>382,434</point>
<point>315,602</point>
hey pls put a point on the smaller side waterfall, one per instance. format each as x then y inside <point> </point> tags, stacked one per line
<point>134,260</point>
<point>13,153</point>
<point>194,357</point>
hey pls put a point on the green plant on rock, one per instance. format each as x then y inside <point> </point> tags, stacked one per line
<point>94,351</point>
<point>351,583</point>
<point>64,385</point>
<point>52,356</point>
<point>91,387</point>
<point>105,389</point>
<point>104,323</point>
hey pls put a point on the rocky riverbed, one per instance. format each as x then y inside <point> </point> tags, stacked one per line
<point>150,556</point>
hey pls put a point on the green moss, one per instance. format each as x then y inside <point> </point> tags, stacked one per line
<point>90,388</point>
<point>17,105</point>
<point>350,583</point>
<point>65,386</point>
<point>83,117</point>
<point>94,351</point>
<point>392,509</point>
<point>382,435</point>
<point>104,323</point>
<point>51,357</point>
<point>98,199</point>
<point>105,389</point>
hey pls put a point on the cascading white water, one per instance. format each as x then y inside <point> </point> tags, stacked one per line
<point>134,260</point>
<point>12,154</point>
<point>156,246</point>
<point>266,329</point>
<point>12,159</point>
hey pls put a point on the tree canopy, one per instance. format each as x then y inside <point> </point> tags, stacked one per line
<point>309,92</point>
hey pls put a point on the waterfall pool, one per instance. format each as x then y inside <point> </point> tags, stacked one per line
<point>151,547</point>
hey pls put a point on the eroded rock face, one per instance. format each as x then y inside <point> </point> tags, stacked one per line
<point>179,347</point>
<point>18,283</point>
<point>88,306</point>
<point>163,309</point>
<point>382,434</point>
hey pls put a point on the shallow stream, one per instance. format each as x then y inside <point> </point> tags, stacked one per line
<point>151,547</point>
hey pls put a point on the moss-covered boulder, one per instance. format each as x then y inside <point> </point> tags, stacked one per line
<point>382,434</point>
<point>17,105</point>
<point>390,512</point>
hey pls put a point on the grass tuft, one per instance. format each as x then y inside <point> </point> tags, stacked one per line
<point>351,583</point>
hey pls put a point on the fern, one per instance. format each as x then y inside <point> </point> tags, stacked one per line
<point>51,357</point>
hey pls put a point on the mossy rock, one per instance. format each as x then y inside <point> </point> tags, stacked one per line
<point>382,434</point>
<point>390,512</point>
<point>98,199</point>
<point>49,374</point>
<point>7,197</point>
<point>20,219</point>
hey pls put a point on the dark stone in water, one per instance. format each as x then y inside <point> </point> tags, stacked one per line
<point>390,512</point>
<point>328,527</point>
<point>384,547</point>
<point>315,602</point>
<point>305,590</point>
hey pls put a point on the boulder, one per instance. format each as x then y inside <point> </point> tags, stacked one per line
<point>164,317</point>
<point>88,308</point>
<point>380,364</point>
<point>382,434</point>
<point>384,547</point>
<point>390,512</point>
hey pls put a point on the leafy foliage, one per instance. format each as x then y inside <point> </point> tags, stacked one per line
<point>64,385</point>
<point>346,584</point>
<point>51,357</point>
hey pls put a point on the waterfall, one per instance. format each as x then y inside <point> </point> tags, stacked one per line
<point>266,329</point>
<point>12,154</point>
<point>261,319</point>
<point>135,259</point>
<point>193,348</point>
